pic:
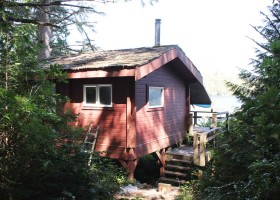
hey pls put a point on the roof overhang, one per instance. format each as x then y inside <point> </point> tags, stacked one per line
<point>198,94</point>
<point>136,63</point>
<point>183,65</point>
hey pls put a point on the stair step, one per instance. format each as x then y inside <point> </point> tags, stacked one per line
<point>175,173</point>
<point>180,161</point>
<point>171,180</point>
<point>177,167</point>
<point>187,154</point>
<point>179,157</point>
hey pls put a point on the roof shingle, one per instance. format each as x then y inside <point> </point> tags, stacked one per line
<point>124,58</point>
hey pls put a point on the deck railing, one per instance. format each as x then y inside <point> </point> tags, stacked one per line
<point>200,140</point>
<point>214,116</point>
<point>203,135</point>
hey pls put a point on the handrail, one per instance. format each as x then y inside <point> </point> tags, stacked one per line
<point>202,137</point>
<point>199,144</point>
<point>214,118</point>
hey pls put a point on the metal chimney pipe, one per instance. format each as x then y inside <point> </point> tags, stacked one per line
<point>157,32</point>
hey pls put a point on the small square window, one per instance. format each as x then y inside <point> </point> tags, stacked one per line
<point>90,95</point>
<point>156,97</point>
<point>98,95</point>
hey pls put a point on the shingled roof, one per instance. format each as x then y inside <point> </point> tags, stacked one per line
<point>124,58</point>
<point>147,58</point>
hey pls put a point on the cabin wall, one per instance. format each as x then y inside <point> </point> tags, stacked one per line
<point>158,128</point>
<point>112,136</point>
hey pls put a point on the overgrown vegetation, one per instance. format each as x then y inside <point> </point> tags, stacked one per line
<point>40,154</point>
<point>246,164</point>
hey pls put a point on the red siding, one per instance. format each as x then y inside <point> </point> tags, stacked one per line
<point>160,127</point>
<point>112,121</point>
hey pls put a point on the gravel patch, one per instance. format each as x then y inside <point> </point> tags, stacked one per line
<point>145,192</point>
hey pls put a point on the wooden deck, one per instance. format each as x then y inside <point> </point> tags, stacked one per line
<point>183,150</point>
<point>197,153</point>
<point>180,160</point>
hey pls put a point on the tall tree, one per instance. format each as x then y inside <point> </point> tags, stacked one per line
<point>39,151</point>
<point>44,32</point>
<point>52,16</point>
<point>246,163</point>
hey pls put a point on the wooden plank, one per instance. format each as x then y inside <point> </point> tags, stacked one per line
<point>172,180</point>
<point>180,174</point>
<point>202,149</point>
<point>181,161</point>
<point>210,138</point>
<point>177,167</point>
<point>190,124</point>
<point>214,121</point>
<point>195,149</point>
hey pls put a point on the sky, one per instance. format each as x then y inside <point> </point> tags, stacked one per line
<point>213,34</point>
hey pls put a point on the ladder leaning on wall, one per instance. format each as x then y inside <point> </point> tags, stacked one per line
<point>90,141</point>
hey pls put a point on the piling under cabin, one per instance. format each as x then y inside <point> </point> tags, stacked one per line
<point>140,98</point>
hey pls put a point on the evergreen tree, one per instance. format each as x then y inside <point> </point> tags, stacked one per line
<point>246,163</point>
<point>39,152</point>
<point>53,18</point>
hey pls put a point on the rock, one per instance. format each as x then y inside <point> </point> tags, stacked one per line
<point>129,189</point>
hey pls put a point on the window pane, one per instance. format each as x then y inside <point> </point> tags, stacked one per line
<point>155,96</point>
<point>91,95</point>
<point>105,95</point>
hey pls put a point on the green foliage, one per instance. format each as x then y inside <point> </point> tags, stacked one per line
<point>105,177</point>
<point>186,191</point>
<point>246,162</point>
<point>206,121</point>
<point>39,152</point>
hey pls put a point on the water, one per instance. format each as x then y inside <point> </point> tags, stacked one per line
<point>225,103</point>
<point>220,103</point>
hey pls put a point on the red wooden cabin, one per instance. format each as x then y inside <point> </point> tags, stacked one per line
<point>140,98</point>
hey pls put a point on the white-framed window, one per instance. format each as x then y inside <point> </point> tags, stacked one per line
<point>156,97</point>
<point>99,95</point>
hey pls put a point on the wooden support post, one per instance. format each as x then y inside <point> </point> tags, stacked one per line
<point>162,168</point>
<point>195,149</point>
<point>214,121</point>
<point>130,166</point>
<point>160,156</point>
<point>202,148</point>
<point>190,124</point>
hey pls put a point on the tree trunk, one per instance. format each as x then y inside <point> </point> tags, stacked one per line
<point>44,32</point>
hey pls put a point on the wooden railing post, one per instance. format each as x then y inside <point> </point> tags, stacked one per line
<point>214,120</point>
<point>195,149</point>
<point>202,148</point>
<point>195,118</point>
<point>190,124</point>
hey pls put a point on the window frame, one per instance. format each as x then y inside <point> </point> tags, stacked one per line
<point>97,104</point>
<point>162,97</point>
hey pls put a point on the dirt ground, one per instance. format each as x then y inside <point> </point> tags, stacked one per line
<point>145,192</point>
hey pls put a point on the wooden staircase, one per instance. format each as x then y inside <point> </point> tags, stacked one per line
<point>182,161</point>
<point>178,168</point>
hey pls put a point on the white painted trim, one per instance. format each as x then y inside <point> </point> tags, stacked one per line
<point>162,97</point>
<point>97,104</point>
